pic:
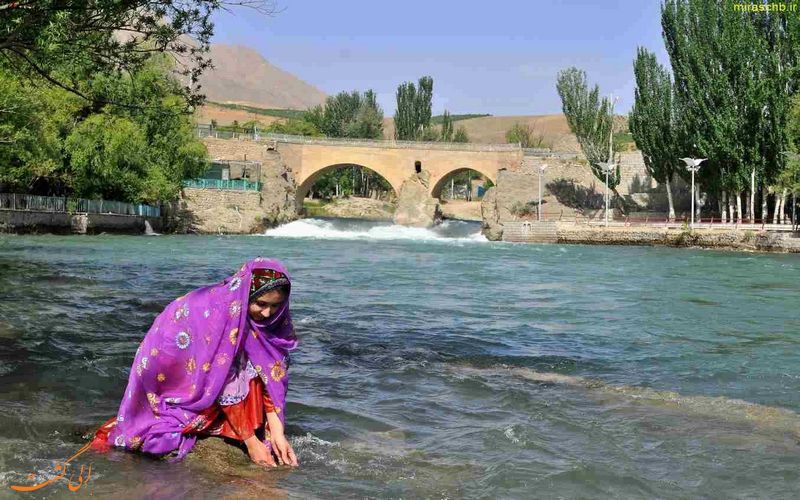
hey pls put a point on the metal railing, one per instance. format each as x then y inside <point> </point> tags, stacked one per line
<point>235,184</point>
<point>29,202</point>
<point>13,201</point>
<point>205,131</point>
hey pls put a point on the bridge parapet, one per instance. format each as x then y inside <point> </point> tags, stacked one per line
<point>392,144</point>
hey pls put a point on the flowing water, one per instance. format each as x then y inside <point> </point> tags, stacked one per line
<point>433,364</point>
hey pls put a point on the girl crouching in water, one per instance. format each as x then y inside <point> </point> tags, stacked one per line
<point>214,363</point>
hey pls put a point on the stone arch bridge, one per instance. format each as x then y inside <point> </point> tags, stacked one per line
<point>396,161</point>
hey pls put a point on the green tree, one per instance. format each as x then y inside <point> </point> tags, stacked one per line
<point>526,135</point>
<point>119,152</point>
<point>294,127</point>
<point>446,132</point>
<point>590,119</point>
<point>108,158</point>
<point>33,121</point>
<point>725,84</point>
<point>64,41</point>
<point>413,115</point>
<point>461,135</point>
<point>348,114</point>
<point>654,121</point>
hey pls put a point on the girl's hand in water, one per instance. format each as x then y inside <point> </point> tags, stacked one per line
<point>283,450</point>
<point>280,446</point>
<point>259,453</point>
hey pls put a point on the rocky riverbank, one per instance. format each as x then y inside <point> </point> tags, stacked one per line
<point>736,239</point>
<point>742,239</point>
<point>352,207</point>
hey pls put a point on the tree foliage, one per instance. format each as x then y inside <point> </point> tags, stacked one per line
<point>526,135</point>
<point>446,131</point>
<point>412,119</point>
<point>63,42</point>
<point>461,135</point>
<point>734,73</point>
<point>653,119</point>
<point>100,151</point>
<point>348,114</point>
<point>294,127</point>
<point>590,118</point>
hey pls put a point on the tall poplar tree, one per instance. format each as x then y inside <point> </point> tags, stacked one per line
<point>590,118</point>
<point>653,121</point>
<point>718,64</point>
<point>412,119</point>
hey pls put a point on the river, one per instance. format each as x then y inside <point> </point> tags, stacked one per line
<point>432,364</point>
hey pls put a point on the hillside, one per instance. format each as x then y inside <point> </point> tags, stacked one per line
<point>492,129</point>
<point>242,75</point>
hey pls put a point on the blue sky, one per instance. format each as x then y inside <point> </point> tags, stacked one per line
<point>499,57</point>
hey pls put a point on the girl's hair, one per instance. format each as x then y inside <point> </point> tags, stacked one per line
<point>284,289</point>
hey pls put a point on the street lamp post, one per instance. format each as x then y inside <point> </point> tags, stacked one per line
<point>542,167</point>
<point>693,165</point>
<point>607,167</point>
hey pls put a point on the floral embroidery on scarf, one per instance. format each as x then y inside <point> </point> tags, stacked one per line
<point>190,365</point>
<point>183,340</point>
<point>233,336</point>
<point>206,366</point>
<point>153,352</point>
<point>198,422</point>
<point>182,312</point>
<point>235,308</point>
<point>235,283</point>
<point>161,377</point>
<point>206,313</point>
<point>278,371</point>
<point>120,440</point>
<point>135,442</point>
<point>222,358</point>
<point>208,339</point>
<point>153,400</point>
<point>144,362</point>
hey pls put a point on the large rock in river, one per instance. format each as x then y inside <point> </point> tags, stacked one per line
<point>514,191</point>
<point>415,206</point>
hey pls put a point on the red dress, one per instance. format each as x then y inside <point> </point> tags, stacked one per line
<point>238,421</point>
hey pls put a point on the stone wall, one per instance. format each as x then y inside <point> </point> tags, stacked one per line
<point>742,239</point>
<point>569,184</point>
<point>241,212</point>
<point>23,221</point>
<point>722,239</point>
<point>235,149</point>
<point>216,211</point>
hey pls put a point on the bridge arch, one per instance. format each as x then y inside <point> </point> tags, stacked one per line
<point>306,185</point>
<point>436,191</point>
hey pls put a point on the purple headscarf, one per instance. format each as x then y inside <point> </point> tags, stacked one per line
<point>181,365</point>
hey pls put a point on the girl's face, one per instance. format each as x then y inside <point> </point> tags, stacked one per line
<point>266,305</point>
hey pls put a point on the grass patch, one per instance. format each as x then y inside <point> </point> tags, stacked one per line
<point>279,113</point>
<point>437,120</point>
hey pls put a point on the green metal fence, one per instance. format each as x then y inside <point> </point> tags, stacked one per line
<point>13,201</point>
<point>235,184</point>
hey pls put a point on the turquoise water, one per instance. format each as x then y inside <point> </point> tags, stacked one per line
<point>432,364</point>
